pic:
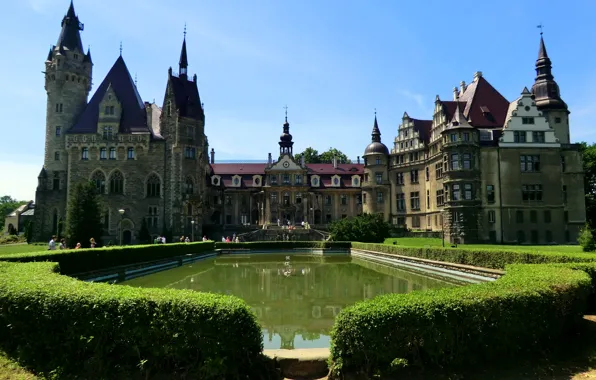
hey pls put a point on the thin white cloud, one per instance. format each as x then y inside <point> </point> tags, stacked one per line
<point>417,98</point>
<point>40,6</point>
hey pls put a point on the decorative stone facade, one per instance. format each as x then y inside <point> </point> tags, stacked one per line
<point>148,163</point>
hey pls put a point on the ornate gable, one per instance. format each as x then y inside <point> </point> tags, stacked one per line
<point>286,163</point>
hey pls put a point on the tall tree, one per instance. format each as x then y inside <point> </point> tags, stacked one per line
<point>83,217</point>
<point>589,160</point>
<point>365,228</point>
<point>312,156</point>
<point>327,157</point>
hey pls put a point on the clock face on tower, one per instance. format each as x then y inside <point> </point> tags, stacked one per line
<point>286,164</point>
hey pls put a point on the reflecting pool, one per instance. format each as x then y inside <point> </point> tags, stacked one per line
<point>295,298</point>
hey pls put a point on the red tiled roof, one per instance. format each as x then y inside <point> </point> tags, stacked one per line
<point>423,128</point>
<point>321,169</point>
<point>449,107</point>
<point>478,95</point>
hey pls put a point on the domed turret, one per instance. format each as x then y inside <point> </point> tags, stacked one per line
<point>376,146</point>
<point>285,140</point>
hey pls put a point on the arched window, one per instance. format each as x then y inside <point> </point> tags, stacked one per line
<point>116,183</point>
<point>286,199</point>
<point>189,186</point>
<point>99,179</point>
<point>153,186</point>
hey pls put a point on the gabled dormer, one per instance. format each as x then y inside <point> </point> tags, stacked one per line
<point>526,125</point>
<point>110,112</point>
<point>315,180</point>
<point>216,180</point>
<point>336,181</point>
<point>257,180</point>
<point>355,181</point>
<point>236,180</point>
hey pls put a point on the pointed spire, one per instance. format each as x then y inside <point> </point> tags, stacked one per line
<point>376,132</point>
<point>545,89</point>
<point>285,140</point>
<point>69,35</point>
<point>459,119</point>
<point>88,56</point>
<point>183,64</point>
<point>50,54</point>
<point>121,48</point>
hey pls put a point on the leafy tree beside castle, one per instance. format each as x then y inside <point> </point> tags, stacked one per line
<point>7,205</point>
<point>312,156</point>
<point>83,216</point>
<point>365,228</point>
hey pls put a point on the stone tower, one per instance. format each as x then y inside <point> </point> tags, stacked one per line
<point>67,83</point>
<point>376,192</point>
<point>548,98</point>
<point>183,127</point>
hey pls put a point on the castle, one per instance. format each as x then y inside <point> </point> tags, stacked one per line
<point>482,169</point>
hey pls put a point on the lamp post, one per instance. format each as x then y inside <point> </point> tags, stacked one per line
<point>192,230</point>
<point>121,211</point>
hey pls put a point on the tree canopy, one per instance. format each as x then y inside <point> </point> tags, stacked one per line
<point>365,228</point>
<point>589,160</point>
<point>7,205</point>
<point>312,156</point>
<point>83,217</point>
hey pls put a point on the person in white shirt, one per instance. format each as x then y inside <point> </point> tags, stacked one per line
<point>187,240</point>
<point>163,240</point>
<point>204,238</point>
<point>52,244</point>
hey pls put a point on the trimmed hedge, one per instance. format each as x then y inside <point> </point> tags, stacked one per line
<point>489,259</point>
<point>529,309</point>
<point>273,245</point>
<point>83,260</point>
<point>60,326</point>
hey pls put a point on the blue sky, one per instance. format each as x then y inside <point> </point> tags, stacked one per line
<point>331,62</point>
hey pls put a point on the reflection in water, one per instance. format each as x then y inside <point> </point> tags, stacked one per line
<point>292,296</point>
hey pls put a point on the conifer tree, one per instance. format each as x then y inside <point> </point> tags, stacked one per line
<point>83,217</point>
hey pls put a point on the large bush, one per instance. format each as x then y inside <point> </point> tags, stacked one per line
<point>528,309</point>
<point>83,260</point>
<point>586,239</point>
<point>56,324</point>
<point>368,228</point>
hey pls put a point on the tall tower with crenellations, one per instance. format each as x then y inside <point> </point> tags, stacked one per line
<point>67,83</point>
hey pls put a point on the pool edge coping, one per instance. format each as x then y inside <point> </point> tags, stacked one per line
<point>301,363</point>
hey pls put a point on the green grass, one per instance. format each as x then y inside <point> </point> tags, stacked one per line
<point>11,370</point>
<point>7,249</point>
<point>433,242</point>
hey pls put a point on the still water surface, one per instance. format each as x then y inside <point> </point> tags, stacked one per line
<point>295,298</point>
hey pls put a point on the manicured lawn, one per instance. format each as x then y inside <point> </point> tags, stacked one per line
<point>9,370</point>
<point>432,242</point>
<point>7,249</point>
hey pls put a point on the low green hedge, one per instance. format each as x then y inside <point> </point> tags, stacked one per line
<point>529,309</point>
<point>83,260</point>
<point>488,259</point>
<point>273,245</point>
<point>67,328</point>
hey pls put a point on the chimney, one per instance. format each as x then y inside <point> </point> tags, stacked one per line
<point>212,155</point>
<point>358,160</point>
<point>335,162</point>
<point>269,159</point>
<point>302,162</point>
<point>462,87</point>
<point>455,93</point>
<point>477,74</point>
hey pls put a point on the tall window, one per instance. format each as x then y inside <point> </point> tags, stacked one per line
<point>490,193</point>
<point>532,192</point>
<point>380,198</point>
<point>440,198</point>
<point>58,131</point>
<point>468,194</point>
<point>108,132</point>
<point>415,200</point>
<point>56,182</point>
<point>274,179</point>
<point>519,136</point>
<point>56,156</point>
<point>416,221</point>
<point>344,199</point>
<point>454,161</point>
<point>466,136</point>
<point>152,220</point>
<point>563,165</point>
<point>85,154</point>
<point>59,107</point>
<point>286,179</point>
<point>112,153</point>
<point>99,179</point>
<point>538,137</point>
<point>379,178</point>
<point>427,173</point>
<point>273,198</point>
<point>116,183</point>
<point>400,178</point>
<point>467,161</point>
<point>455,192</point>
<point>491,216</point>
<point>414,176</point>
<point>298,198</point>
<point>401,202</point>
<point>529,163</point>
<point>153,186</point>
<point>328,200</point>
<point>298,179</point>
<point>286,199</point>
<point>427,198</point>
<point>103,153</point>
<point>109,110</point>
<point>378,161</point>
<point>438,170</point>
<point>131,153</point>
<point>189,186</point>
<point>190,152</point>
<point>527,120</point>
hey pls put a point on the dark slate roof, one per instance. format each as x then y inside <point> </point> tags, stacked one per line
<point>134,116</point>
<point>69,35</point>
<point>423,127</point>
<point>186,96</point>
<point>183,57</point>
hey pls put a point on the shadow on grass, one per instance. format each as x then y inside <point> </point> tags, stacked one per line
<point>572,360</point>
